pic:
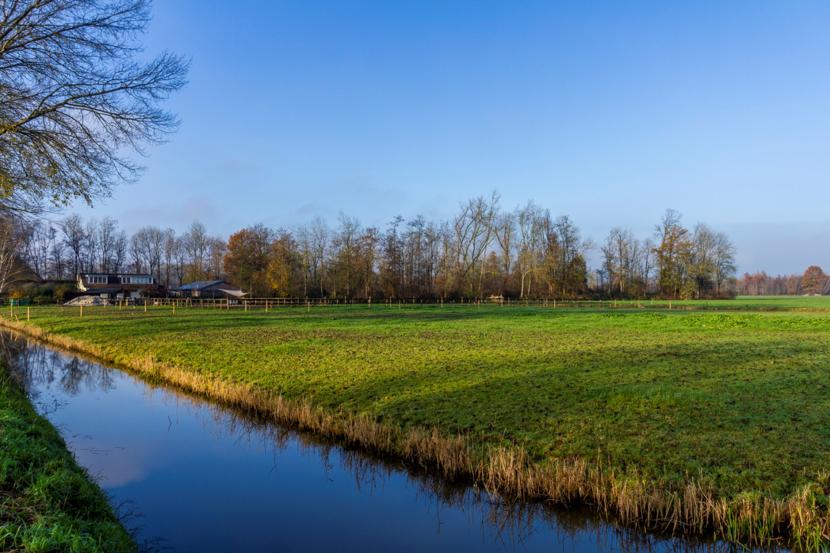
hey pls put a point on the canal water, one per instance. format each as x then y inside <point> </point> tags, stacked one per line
<point>189,476</point>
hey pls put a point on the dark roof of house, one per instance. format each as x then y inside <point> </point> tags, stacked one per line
<point>103,289</point>
<point>202,284</point>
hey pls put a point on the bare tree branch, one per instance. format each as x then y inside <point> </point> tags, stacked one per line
<point>74,99</point>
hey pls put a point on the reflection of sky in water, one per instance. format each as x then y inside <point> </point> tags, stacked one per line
<point>204,479</point>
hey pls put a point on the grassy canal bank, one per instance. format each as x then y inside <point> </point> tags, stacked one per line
<point>687,421</point>
<point>47,502</point>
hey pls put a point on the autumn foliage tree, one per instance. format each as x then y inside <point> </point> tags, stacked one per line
<point>247,259</point>
<point>815,281</point>
<point>284,267</point>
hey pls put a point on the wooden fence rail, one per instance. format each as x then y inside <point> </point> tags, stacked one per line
<point>267,304</point>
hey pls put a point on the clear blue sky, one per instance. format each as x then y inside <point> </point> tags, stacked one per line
<point>607,111</point>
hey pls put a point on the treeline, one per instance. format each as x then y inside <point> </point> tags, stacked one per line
<point>679,263</point>
<point>814,281</point>
<point>480,252</point>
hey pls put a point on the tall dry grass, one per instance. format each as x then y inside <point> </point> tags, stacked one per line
<point>801,521</point>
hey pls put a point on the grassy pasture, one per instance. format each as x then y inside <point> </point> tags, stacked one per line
<point>734,396</point>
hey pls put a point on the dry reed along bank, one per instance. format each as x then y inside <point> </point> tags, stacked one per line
<point>691,421</point>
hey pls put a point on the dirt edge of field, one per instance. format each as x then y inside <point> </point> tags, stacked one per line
<point>801,521</point>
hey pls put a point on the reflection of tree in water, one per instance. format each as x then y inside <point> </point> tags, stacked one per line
<point>35,367</point>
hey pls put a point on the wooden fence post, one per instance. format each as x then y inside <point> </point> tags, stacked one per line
<point>82,310</point>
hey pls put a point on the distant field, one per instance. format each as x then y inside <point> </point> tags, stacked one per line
<point>794,302</point>
<point>752,303</point>
<point>736,400</point>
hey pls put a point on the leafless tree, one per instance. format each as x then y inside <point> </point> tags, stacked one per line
<point>91,253</point>
<point>345,256</point>
<point>505,233</point>
<point>196,245</point>
<point>180,260</point>
<point>171,244</point>
<point>565,270</point>
<point>147,246</point>
<point>14,232</point>
<point>473,230</point>
<point>392,266</point>
<point>74,238</point>
<point>75,98</point>
<point>530,221</point>
<point>724,261</point>
<point>56,256</point>
<point>38,246</point>
<point>217,248</point>
<point>119,252</point>
<point>107,238</point>
<point>318,240</point>
<point>626,263</point>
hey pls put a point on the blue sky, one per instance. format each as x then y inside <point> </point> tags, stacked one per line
<point>609,112</point>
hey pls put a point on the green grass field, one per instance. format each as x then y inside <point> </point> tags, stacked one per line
<point>736,398</point>
<point>47,503</point>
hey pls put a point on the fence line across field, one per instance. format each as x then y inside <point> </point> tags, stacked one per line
<point>269,303</point>
<point>170,305</point>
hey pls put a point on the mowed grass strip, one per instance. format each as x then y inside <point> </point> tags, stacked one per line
<point>736,401</point>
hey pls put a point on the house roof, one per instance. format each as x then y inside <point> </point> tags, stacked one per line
<point>103,289</point>
<point>201,284</point>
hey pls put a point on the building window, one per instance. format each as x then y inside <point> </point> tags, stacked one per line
<point>135,279</point>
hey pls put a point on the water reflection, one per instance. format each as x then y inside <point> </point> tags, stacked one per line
<point>208,478</point>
